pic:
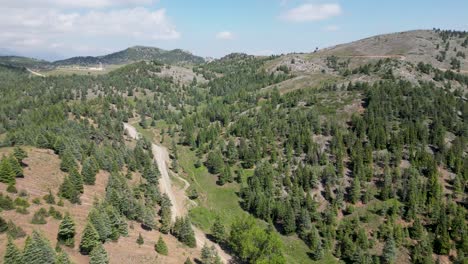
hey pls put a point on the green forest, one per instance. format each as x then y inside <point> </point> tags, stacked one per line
<point>365,186</point>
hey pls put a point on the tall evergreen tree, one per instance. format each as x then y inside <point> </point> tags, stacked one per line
<point>209,255</point>
<point>89,239</point>
<point>7,174</point>
<point>38,250</point>
<point>16,166</point>
<point>355,190</point>
<point>217,230</point>
<point>68,161</point>
<point>62,258</point>
<point>315,244</point>
<point>66,233</point>
<point>12,254</point>
<point>101,222</point>
<point>76,180</point>
<point>88,172</point>
<point>389,251</point>
<point>98,255</point>
<point>19,153</point>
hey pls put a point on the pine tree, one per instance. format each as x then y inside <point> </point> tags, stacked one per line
<point>66,233</point>
<point>89,239</point>
<point>315,244</point>
<point>67,161</point>
<point>140,241</point>
<point>217,230</point>
<point>62,258</point>
<point>183,231</point>
<point>214,162</point>
<point>12,254</point>
<point>49,198</point>
<point>76,180</point>
<point>19,153</point>
<point>38,250</point>
<point>389,251</point>
<point>231,152</point>
<point>99,255</point>
<point>7,174</point>
<point>289,221</point>
<point>101,222</point>
<point>209,255</point>
<point>355,190</point>
<point>165,214</point>
<point>68,191</point>
<point>88,172</point>
<point>118,225</point>
<point>225,176</point>
<point>161,247</point>
<point>16,166</point>
<point>3,225</point>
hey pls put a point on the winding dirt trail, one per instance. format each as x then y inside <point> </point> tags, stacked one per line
<point>161,156</point>
<point>35,73</point>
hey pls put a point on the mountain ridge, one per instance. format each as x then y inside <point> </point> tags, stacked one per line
<point>128,55</point>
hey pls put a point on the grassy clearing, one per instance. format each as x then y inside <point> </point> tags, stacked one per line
<point>223,201</point>
<point>214,199</point>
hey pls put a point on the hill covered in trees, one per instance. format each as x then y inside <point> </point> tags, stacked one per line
<point>300,158</point>
<point>129,55</point>
<point>134,54</point>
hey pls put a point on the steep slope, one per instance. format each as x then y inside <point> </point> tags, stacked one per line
<point>427,46</point>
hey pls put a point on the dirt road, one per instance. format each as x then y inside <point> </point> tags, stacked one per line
<point>35,73</point>
<point>161,156</point>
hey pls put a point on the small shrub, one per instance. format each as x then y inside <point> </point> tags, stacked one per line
<point>140,240</point>
<point>22,210</point>
<point>55,213</point>
<point>15,231</point>
<point>36,201</point>
<point>49,198</point>
<point>39,217</point>
<point>21,202</point>
<point>193,194</point>
<point>6,203</point>
<point>11,189</point>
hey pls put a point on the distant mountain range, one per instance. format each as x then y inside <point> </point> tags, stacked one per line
<point>129,55</point>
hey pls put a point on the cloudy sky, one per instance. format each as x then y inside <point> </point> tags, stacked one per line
<point>52,29</point>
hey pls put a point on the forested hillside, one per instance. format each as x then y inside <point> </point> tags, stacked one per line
<point>343,162</point>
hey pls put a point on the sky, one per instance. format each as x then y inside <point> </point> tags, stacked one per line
<point>55,29</point>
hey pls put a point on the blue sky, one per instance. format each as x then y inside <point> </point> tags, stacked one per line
<point>53,29</point>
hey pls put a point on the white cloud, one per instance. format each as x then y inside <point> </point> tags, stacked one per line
<point>312,12</point>
<point>49,29</point>
<point>331,28</point>
<point>65,4</point>
<point>225,35</point>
